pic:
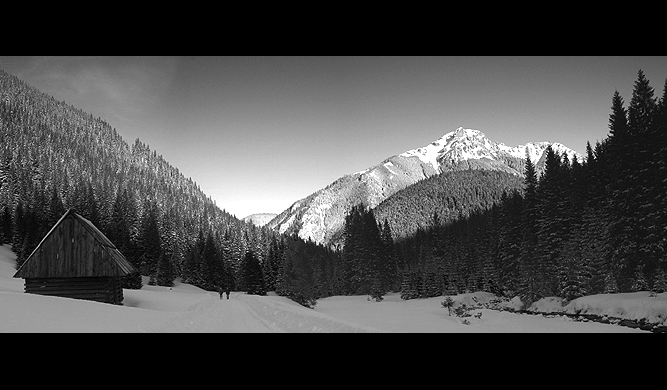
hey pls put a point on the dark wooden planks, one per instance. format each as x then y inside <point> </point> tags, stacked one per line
<point>100,289</point>
<point>75,248</point>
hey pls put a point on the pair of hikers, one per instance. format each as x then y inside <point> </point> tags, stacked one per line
<point>225,291</point>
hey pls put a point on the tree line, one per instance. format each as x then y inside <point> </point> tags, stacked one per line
<point>55,157</point>
<point>580,228</point>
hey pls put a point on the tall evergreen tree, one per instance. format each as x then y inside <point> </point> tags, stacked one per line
<point>659,195</point>
<point>631,188</point>
<point>192,263</point>
<point>6,225</point>
<point>552,218</point>
<point>56,209</point>
<point>509,243</point>
<point>119,231</point>
<point>252,277</point>
<point>19,233</point>
<point>150,249</point>
<point>212,267</point>
<point>165,274</point>
<point>389,266</point>
<point>531,288</point>
<point>362,253</point>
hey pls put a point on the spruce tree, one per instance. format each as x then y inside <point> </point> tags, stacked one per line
<point>271,264</point>
<point>211,266</point>
<point>654,216</point>
<point>389,265</point>
<point>660,281</point>
<point>509,243</point>
<point>150,248</point>
<point>55,209</point>
<point>165,275</point>
<point>6,225</point>
<point>19,233</point>
<point>639,282</point>
<point>632,189</point>
<point>622,246</point>
<point>531,288</point>
<point>641,120</point>
<point>354,252</point>
<point>552,219</point>
<point>574,272</point>
<point>191,272</point>
<point>251,274</point>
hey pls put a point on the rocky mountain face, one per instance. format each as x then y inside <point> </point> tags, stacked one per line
<point>259,219</point>
<point>320,216</point>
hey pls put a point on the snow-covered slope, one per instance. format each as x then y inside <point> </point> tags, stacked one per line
<point>320,216</point>
<point>259,219</point>
<point>185,308</point>
<point>469,144</point>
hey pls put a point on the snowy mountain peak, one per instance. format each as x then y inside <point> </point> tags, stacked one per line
<point>321,216</point>
<point>458,145</point>
<point>467,144</point>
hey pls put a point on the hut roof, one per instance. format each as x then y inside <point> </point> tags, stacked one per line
<point>96,256</point>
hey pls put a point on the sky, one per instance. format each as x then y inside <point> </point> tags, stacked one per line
<point>259,133</point>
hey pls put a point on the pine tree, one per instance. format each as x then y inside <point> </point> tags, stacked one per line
<point>531,288</point>
<point>374,263</point>
<point>150,246</point>
<point>92,209</point>
<point>271,264</point>
<point>165,271</point>
<point>553,219</point>
<point>390,280</point>
<point>19,233</point>
<point>591,236</point>
<point>509,243</point>
<point>631,195</point>
<point>639,281</point>
<point>192,263</point>
<point>660,281</point>
<point>211,264</point>
<point>355,254</point>
<point>55,209</point>
<point>572,272</point>
<point>618,121</point>
<point>252,276</point>
<point>363,250</point>
<point>6,225</point>
<point>621,243</point>
<point>410,285</point>
<point>654,217</point>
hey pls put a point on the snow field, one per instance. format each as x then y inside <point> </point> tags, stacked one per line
<point>188,309</point>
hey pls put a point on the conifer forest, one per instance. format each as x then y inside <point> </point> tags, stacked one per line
<point>577,228</point>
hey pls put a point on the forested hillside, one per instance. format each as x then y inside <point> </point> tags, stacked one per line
<point>54,157</point>
<point>580,228</point>
<point>570,229</point>
<point>451,195</point>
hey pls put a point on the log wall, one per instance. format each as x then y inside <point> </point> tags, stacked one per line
<point>100,289</point>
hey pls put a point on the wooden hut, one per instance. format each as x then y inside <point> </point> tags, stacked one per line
<point>75,260</point>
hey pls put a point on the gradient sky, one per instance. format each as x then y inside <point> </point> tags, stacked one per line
<point>259,133</point>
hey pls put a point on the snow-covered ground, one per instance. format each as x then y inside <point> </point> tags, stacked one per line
<point>185,308</point>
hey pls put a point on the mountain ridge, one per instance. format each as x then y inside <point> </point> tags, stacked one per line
<point>320,216</point>
<point>259,219</point>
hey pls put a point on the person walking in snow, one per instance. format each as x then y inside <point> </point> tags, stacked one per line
<point>227,292</point>
<point>220,290</point>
